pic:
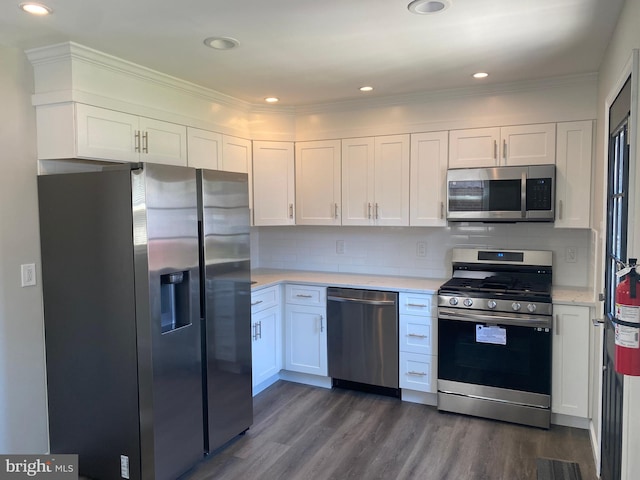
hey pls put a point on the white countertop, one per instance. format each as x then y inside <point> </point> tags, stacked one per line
<point>267,277</point>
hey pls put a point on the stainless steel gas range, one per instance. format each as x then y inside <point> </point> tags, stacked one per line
<point>494,336</point>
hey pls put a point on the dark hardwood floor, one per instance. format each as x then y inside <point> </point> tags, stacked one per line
<point>309,433</point>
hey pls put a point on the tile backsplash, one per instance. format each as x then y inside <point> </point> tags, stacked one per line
<point>417,251</point>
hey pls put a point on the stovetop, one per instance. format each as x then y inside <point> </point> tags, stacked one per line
<point>489,284</point>
<point>497,284</point>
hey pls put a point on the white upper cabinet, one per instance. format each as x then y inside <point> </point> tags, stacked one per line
<point>528,144</point>
<point>357,181</point>
<point>391,170</point>
<point>429,154</point>
<point>375,181</point>
<point>318,183</point>
<point>503,146</point>
<point>236,155</point>
<point>573,174</point>
<point>273,183</point>
<point>75,130</point>
<point>476,147</point>
<point>204,148</point>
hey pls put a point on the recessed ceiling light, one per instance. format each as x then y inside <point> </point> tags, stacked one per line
<point>426,7</point>
<point>35,8</point>
<point>221,43</point>
<point>366,88</point>
<point>480,75</point>
<point>272,99</point>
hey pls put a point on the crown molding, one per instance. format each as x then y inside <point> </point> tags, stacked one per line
<point>74,51</point>
<point>437,95</point>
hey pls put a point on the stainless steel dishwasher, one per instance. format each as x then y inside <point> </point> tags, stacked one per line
<point>362,339</point>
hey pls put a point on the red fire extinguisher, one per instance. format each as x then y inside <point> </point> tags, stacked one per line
<point>627,320</point>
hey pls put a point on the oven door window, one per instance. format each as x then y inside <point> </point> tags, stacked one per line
<point>520,360</point>
<point>485,195</point>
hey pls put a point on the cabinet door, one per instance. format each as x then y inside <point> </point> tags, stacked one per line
<point>273,183</point>
<point>266,348</point>
<point>528,144</point>
<point>306,339</point>
<point>106,134</point>
<point>391,172</point>
<point>418,372</point>
<point>573,174</point>
<point>476,147</point>
<point>429,161</point>
<point>318,183</point>
<point>357,181</point>
<point>163,142</point>
<point>204,148</point>
<point>236,157</point>
<point>570,371</point>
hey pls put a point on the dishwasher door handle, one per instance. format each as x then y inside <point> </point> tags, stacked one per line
<point>360,300</point>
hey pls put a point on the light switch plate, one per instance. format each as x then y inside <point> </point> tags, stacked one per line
<point>28,274</point>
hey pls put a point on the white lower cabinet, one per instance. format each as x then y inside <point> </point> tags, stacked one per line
<point>306,329</point>
<point>266,337</point>
<point>418,372</point>
<point>417,343</point>
<point>570,370</point>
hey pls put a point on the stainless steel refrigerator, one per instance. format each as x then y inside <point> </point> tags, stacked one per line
<point>121,263</point>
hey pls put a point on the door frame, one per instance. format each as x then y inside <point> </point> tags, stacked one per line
<point>631,68</point>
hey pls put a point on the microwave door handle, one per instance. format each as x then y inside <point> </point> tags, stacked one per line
<point>523,194</point>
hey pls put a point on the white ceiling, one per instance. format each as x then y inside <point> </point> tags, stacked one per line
<point>311,52</point>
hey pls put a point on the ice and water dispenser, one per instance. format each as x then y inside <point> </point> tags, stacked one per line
<point>174,301</point>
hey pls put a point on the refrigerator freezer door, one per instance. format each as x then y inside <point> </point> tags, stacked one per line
<point>226,294</point>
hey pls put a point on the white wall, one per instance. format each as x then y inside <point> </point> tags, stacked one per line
<point>393,251</point>
<point>23,418</point>
<point>624,40</point>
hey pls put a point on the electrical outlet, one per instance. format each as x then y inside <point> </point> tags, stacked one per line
<point>340,247</point>
<point>421,249</point>
<point>28,274</point>
<point>571,254</point>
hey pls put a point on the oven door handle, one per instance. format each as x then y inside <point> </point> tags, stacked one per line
<point>533,321</point>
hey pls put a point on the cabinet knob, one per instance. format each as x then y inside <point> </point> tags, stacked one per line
<point>291,210</point>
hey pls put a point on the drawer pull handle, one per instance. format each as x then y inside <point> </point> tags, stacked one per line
<point>300,295</point>
<point>416,335</point>
<point>253,304</point>
<point>421,305</point>
<point>417,374</point>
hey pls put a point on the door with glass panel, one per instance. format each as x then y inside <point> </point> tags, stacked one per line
<point>616,255</point>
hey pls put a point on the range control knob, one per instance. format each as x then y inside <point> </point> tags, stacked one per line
<point>531,307</point>
<point>453,301</point>
<point>468,302</point>
<point>516,306</point>
<point>492,304</point>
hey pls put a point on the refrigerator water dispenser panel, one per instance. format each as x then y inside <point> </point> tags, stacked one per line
<point>174,301</point>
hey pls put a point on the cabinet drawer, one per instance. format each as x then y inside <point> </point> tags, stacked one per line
<point>418,372</point>
<point>264,298</point>
<point>306,295</point>
<point>416,303</point>
<point>416,334</point>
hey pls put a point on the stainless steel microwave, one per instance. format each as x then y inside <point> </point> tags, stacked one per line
<point>501,194</point>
